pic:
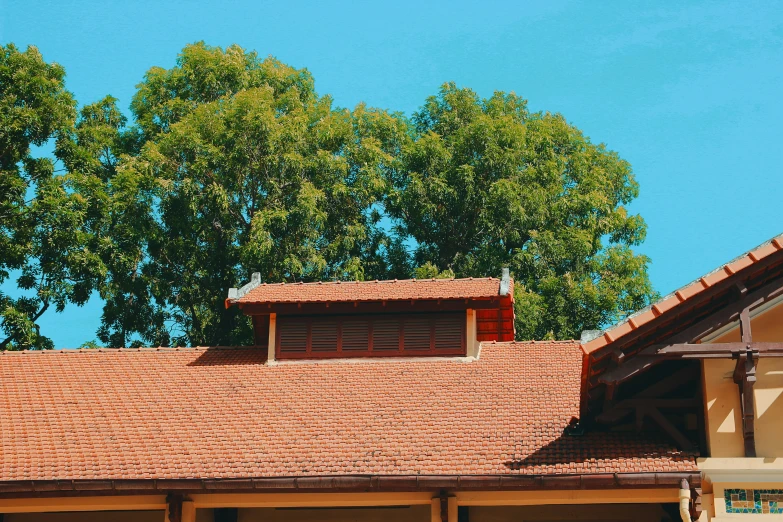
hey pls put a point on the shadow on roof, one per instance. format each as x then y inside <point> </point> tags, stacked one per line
<point>603,446</point>
<point>231,356</point>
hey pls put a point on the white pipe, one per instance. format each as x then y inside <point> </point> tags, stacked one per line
<point>685,502</point>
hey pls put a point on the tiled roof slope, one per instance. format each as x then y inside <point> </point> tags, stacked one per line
<point>472,288</point>
<point>222,413</point>
<point>685,293</point>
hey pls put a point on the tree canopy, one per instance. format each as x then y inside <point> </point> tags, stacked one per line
<point>43,243</point>
<point>485,184</point>
<point>232,164</point>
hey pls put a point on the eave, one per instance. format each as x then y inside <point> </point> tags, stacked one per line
<point>350,483</point>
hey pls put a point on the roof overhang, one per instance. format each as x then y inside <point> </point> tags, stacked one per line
<point>350,483</point>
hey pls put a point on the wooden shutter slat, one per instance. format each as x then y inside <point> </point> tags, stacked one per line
<point>386,334</point>
<point>449,332</point>
<point>417,333</point>
<point>293,336</point>
<point>356,335</point>
<point>324,335</point>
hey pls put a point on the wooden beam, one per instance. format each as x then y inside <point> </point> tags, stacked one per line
<point>94,503</point>
<point>745,377</point>
<point>553,496</point>
<point>640,361</point>
<point>744,322</point>
<point>435,511</point>
<point>661,387</point>
<point>274,500</point>
<point>724,349</point>
<point>174,511</point>
<point>665,424</point>
<point>452,510</point>
<point>656,353</point>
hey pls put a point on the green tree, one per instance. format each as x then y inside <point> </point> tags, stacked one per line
<point>485,184</point>
<point>42,240</point>
<point>236,165</point>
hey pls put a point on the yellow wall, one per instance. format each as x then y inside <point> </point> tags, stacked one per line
<point>407,514</point>
<point>584,513</point>
<point>613,512</point>
<point>89,516</point>
<point>767,327</point>
<point>724,421</point>
<point>721,395</point>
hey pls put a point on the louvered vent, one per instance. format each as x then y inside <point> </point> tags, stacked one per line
<point>449,332</point>
<point>378,335</point>
<point>356,335</point>
<point>324,336</point>
<point>386,335</point>
<point>292,336</point>
<point>417,333</point>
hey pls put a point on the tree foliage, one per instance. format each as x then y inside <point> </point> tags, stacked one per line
<point>234,164</point>
<point>237,165</point>
<point>486,184</point>
<point>42,241</point>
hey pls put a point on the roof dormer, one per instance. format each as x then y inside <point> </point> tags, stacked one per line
<point>396,318</point>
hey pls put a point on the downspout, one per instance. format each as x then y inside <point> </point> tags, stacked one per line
<point>685,501</point>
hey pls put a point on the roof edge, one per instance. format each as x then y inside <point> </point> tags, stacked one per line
<point>341,483</point>
<point>234,294</point>
<point>682,294</point>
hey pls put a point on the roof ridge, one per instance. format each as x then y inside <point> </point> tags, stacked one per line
<point>383,281</point>
<point>543,341</point>
<point>59,351</point>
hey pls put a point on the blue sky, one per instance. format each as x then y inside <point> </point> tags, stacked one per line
<point>688,92</point>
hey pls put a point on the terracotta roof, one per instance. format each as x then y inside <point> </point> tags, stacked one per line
<point>472,288</point>
<point>222,413</point>
<point>686,293</point>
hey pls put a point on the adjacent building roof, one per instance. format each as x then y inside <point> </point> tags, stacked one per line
<point>347,291</point>
<point>677,300</point>
<point>221,413</point>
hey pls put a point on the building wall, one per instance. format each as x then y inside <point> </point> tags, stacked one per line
<point>754,483</point>
<point>584,513</point>
<point>721,394</point>
<point>408,514</point>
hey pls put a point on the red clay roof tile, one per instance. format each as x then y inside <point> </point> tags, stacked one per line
<point>223,413</point>
<point>683,294</point>
<point>472,288</point>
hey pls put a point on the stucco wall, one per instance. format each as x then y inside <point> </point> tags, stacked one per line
<point>766,327</point>
<point>724,420</point>
<point>589,513</point>
<point>721,395</point>
<point>407,514</point>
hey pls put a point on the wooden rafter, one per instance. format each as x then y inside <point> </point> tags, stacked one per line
<point>682,344</point>
<point>660,388</point>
